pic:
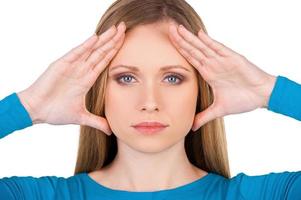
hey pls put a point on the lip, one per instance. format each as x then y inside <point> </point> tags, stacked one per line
<point>150,127</point>
<point>152,124</point>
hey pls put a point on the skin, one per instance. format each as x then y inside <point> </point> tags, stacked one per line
<point>63,86</point>
<point>150,95</point>
<point>238,86</point>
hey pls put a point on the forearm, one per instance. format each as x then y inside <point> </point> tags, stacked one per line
<point>286,97</point>
<point>13,116</point>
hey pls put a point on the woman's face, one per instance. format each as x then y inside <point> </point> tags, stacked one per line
<point>150,94</point>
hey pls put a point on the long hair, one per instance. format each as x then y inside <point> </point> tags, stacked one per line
<point>205,148</point>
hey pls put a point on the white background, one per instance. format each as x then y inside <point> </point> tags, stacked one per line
<point>35,33</point>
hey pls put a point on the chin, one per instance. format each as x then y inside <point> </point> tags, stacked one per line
<point>154,143</point>
<point>150,145</point>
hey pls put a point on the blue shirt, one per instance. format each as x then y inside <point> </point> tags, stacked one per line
<point>285,99</point>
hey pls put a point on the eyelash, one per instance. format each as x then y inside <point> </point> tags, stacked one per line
<point>180,77</point>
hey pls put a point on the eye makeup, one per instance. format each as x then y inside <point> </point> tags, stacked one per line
<point>119,77</point>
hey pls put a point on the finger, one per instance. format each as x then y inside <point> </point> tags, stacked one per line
<point>104,62</point>
<point>216,46</point>
<point>197,64</point>
<point>196,42</point>
<point>204,117</point>
<point>185,45</point>
<point>103,39</point>
<point>76,52</point>
<point>96,122</point>
<point>102,51</point>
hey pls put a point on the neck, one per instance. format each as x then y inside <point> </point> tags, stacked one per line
<point>132,170</point>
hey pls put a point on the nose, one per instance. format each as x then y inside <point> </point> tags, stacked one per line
<point>150,98</point>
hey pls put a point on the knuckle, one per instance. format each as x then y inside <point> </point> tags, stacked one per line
<point>101,51</point>
<point>189,39</point>
<point>91,63</point>
<point>210,44</point>
<point>203,49</point>
<point>115,40</point>
<point>192,52</point>
<point>220,51</point>
<point>202,61</point>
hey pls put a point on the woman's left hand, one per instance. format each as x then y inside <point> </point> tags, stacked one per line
<point>238,85</point>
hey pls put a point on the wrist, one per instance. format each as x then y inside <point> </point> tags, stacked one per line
<point>268,90</point>
<point>30,107</point>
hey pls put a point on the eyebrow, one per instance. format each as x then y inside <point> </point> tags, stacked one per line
<point>164,68</point>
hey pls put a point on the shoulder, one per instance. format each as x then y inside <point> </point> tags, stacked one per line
<point>29,187</point>
<point>272,185</point>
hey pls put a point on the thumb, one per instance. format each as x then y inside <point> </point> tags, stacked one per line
<point>97,122</point>
<point>205,116</point>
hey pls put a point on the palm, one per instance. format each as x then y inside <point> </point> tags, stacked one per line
<point>59,93</point>
<point>66,97</point>
<point>237,84</point>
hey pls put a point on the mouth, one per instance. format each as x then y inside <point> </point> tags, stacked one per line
<point>149,129</point>
<point>150,124</point>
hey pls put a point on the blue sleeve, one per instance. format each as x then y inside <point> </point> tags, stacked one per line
<point>286,98</point>
<point>28,187</point>
<point>13,115</point>
<point>284,185</point>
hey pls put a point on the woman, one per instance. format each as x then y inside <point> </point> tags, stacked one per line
<point>119,157</point>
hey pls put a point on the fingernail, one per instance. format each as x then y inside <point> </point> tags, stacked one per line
<point>113,27</point>
<point>201,31</point>
<point>182,27</point>
<point>121,24</point>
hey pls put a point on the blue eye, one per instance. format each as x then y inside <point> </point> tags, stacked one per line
<point>174,76</point>
<point>123,76</point>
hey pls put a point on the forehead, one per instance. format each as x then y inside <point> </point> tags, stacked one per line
<point>148,46</point>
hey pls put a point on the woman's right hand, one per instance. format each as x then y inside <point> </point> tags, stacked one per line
<point>58,95</point>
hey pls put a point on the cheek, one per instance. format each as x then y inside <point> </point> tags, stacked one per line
<point>181,107</point>
<point>182,101</point>
<point>118,106</point>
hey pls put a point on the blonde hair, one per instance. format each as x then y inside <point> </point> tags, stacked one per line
<point>205,148</point>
